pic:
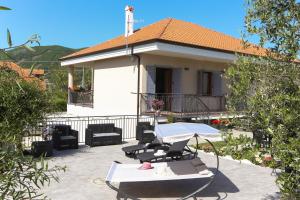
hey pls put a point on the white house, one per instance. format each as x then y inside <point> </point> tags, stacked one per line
<point>173,60</point>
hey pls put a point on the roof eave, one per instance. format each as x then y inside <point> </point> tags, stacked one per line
<point>154,46</point>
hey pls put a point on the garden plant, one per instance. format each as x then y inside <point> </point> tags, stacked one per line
<point>266,88</point>
<point>23,105</point>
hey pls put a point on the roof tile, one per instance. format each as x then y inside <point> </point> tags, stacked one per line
<point>175,31</point>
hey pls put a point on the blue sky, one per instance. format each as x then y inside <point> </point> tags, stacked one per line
<point>82,23</point>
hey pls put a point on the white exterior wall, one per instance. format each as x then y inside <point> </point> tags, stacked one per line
<point>76,110</point>
<point>114,82</point>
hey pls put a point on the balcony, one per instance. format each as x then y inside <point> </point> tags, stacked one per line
<point>183,104</point>
<point>81,98</point>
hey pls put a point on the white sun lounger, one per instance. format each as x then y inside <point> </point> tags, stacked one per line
<point>176,170</point>
<point>164,171</point>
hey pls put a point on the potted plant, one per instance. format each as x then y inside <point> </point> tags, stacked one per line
<point>157,105</point>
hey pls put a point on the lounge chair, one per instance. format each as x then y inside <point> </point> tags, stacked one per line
<point>173,152</point>
<point>133,150</point>
<point>163,171</point>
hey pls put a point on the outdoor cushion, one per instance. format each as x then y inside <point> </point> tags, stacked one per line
<point>105,134</point>
<point>67,137</point>
<point>148,131</point>
<point>197,162</point>
<point>182,168</point>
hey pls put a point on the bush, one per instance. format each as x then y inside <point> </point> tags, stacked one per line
<point>270,92</point>
<point>22,105</point>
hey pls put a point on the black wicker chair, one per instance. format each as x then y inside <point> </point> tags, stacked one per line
<point>64,137</point>
<point>102,134</point>
<point>144,132</point>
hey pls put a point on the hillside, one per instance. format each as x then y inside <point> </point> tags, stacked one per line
<point>44,57</point>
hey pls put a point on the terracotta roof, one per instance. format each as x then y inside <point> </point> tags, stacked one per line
<point>178,32</point>
<point>24,73</point>
<point>36,71</point>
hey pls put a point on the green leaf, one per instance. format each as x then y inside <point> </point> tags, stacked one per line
<point>4,8</point>
<point>9,41</point>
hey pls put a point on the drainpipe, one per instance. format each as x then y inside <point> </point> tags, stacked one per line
<point>138,83</point>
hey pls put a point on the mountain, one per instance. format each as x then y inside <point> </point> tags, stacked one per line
<point>44,57</point>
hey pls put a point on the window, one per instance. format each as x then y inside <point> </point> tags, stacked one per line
<point>205,83</point>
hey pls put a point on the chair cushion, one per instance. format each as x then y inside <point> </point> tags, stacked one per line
<point>67,137</point>
<point>105,134</point>
<point>182,168</point>
<point>148,131</point>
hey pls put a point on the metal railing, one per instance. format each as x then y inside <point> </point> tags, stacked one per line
<point>184,104</point>
<point>84,98</point>
<point>126,122</point>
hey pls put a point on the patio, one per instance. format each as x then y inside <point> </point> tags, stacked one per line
<point>87,169</point>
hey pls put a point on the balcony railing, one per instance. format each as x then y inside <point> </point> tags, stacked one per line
<point>83,98</point>
<point>188,104</point>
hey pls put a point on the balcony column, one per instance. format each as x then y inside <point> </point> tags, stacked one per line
<point>71,77</point>
<point>92,78</point>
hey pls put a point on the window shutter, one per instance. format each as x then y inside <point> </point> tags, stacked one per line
<point>151,77</point>
<point>176,79</point>
<point>176,89</point>
<point>217,84</point>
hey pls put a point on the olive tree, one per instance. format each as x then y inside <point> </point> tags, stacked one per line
<point>267,89</point>
<point>277,23</point>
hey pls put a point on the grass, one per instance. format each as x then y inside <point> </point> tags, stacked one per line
<point>208,148</point>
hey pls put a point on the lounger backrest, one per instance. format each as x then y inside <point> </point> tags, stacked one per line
<point>178,146</point>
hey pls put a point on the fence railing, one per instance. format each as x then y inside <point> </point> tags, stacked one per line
<point>126,122</point>
<point>183,103</point>
<point>84,98</point>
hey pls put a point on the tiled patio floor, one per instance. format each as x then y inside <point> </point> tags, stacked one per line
<point>87,168</point>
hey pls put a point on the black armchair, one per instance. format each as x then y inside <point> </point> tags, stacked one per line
<point>64,136</point>
<point>102,134</point>
<point>144,132</point>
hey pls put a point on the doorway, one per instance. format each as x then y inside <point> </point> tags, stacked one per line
<point>163,80</point>
<point>163,86</point>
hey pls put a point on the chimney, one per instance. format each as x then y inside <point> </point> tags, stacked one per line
<point>129,21</point>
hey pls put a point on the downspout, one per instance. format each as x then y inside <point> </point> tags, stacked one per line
<point>138,83</point>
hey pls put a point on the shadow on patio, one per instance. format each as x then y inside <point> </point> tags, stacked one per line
<point>71,152</point>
